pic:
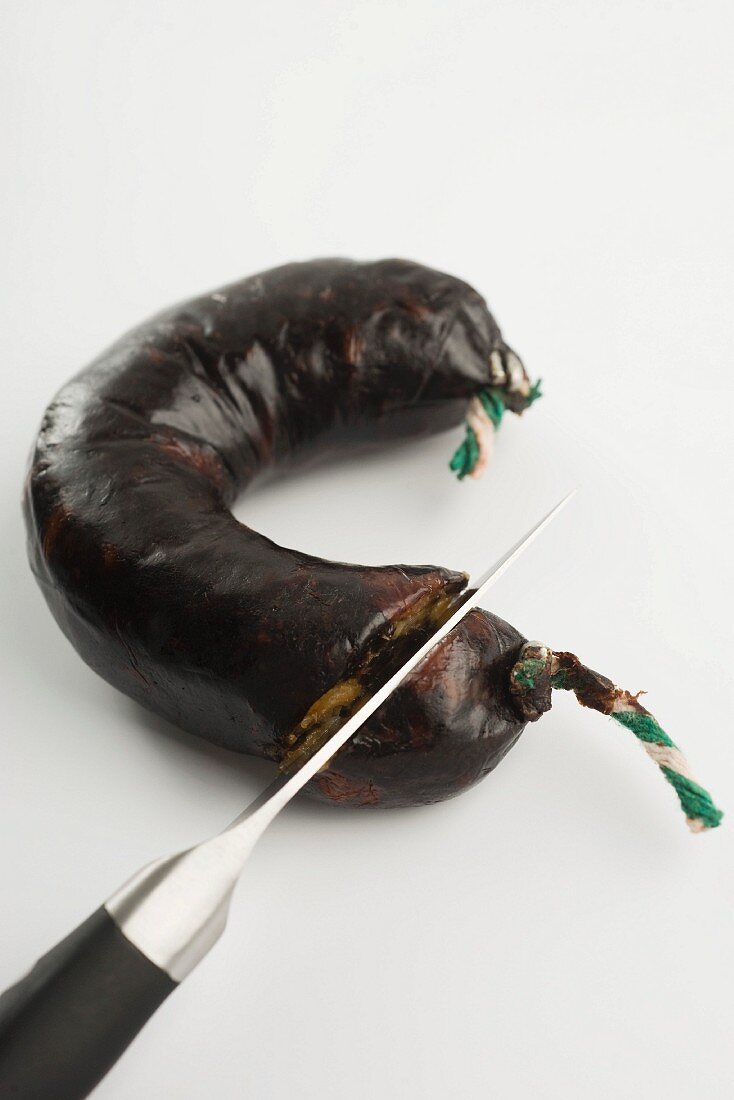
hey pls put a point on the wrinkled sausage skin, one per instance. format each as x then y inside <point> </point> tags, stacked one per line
<point>212,625</point>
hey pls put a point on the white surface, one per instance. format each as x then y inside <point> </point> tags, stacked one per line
<point>555,932</point>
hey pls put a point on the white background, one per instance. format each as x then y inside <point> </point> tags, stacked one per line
<point>555,932</point>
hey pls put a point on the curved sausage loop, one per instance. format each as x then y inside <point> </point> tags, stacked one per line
<point>196,616</point>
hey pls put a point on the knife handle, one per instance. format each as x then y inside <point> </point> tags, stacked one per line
<point>65,1024</point>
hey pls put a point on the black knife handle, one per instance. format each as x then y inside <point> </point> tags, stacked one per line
<point>65,1024</point>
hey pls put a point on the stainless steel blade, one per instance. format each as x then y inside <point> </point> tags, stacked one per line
<point>175,909</point>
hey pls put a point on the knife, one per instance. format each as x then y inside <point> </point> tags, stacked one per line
<point>65,1024</point>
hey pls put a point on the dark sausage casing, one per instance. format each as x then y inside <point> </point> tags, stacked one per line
<point>200,619</point>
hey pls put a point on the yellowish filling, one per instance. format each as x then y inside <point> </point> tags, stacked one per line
<point>331,709</point>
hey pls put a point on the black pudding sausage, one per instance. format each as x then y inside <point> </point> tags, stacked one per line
<point>254,646</point>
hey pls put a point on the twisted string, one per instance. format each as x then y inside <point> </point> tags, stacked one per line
<point>539,670</point>
<point>483,419</point>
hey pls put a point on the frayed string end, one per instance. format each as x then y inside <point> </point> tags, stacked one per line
<point>466,455</point>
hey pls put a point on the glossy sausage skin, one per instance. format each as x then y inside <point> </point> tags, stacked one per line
<point>200,619</point>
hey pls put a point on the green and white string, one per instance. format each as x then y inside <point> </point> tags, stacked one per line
<point>483,419</point>
<point>539,669</point>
